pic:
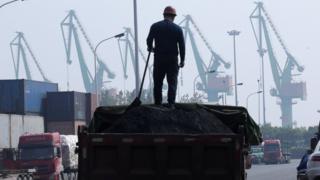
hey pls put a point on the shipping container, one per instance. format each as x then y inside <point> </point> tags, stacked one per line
<point>91,106</point>
<point>66,106</point>
<point>64,127</point>
<point>4,133</point>
<point>24,96</point>
<point>14,125</point>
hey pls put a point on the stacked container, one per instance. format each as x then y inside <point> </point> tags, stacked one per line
<point>67,110</point>
<point>91,106</point>
<point>14,125</point>
<point>24,96</point>
<point>22,109</point>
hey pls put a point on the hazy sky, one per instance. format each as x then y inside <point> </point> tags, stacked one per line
<point>296,21</point>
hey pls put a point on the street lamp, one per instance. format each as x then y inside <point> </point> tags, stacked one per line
<point>235,33</point>
<point>194,81</point>
<point>258,92</point>
<point>95,62</point>
<point>225,95</point>
<point>7,3</point>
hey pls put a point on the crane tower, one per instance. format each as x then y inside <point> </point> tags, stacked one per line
<point>22,47</point>
<point>69,28</point>
<point>211,83</point>
<point>286,88</point>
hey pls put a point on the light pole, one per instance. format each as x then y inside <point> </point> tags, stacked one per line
<point>95,62</point>
<point>235,85</point>
<point>7,3</point>
<point>136,46</point>
<point>194,81</point>
<point>258,92</point>
<point>235,33</point>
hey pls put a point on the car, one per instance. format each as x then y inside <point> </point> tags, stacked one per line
<point>256,154</point>
<point>313,164</point>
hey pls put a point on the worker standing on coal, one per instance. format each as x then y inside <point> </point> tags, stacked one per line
<point>168,43</point>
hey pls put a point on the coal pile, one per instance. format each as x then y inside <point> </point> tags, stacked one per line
<point>158,119</point>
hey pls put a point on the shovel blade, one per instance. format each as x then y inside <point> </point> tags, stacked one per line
<point>135,103</point>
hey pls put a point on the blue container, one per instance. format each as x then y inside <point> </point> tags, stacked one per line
<point>66,106</point>
<point>24,96</point>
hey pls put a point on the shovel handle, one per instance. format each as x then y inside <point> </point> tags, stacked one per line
<point>144,75</point>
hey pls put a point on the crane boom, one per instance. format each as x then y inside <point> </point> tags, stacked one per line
<point>69,32</point>
<point>286,89</point>
<point>128,51</point>
<point>213,83</point>
<point>22,46</point>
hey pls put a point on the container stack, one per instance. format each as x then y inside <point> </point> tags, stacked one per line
<point>67,110</point>
<point>24,96</point>
<point>91,106</point>
<point>22,109</point>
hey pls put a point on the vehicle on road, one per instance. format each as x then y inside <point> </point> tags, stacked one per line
<point>273,154</point>
<point>50,156</point>
<point>148,155</point>
<point>256,154</point>
<point>313,164</point>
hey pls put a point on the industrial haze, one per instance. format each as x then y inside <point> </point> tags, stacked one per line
<point>294,19</point>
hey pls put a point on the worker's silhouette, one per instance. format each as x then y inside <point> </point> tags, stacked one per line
<point>168,42</point>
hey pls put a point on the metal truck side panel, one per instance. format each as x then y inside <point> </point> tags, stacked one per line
<point>33,124</point>
<point>16,123</point>
<point>170,157</point>
<point>5,131</point>
<point>64,127</point>
<point>35,92</point>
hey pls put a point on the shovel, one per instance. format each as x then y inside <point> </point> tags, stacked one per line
<point>137,102</point>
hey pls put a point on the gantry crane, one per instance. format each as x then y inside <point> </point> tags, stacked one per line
<point>69,27</point>
<point>286,88</point>
<point>126,43</point>
<point>212,83</point>
<point>22,47</point>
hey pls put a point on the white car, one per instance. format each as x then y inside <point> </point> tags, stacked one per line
<point>313,165</point>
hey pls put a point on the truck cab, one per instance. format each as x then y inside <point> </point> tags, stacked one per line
<point>272,152</point>
<point>41,152</point>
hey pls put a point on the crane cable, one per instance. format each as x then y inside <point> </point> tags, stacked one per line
<point>89,42</point>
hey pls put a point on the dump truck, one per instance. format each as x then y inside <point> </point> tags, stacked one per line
<point>192,142</point>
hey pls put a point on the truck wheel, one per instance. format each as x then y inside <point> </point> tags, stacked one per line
<point>20,177</point>
<point>25,177</point>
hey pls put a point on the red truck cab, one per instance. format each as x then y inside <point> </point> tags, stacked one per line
<point>41,152</point>
<point>272,152</point>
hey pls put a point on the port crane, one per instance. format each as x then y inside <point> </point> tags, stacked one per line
<point>19,47</point>
<point>69,27</point>
<point>126,50</point>
<point>211,83</point>
<point>286,89</point>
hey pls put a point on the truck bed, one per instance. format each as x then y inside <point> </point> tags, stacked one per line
<point>160,156</point>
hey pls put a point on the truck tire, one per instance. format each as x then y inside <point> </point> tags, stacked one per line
<point>26,177</point>
<point>19,177</point>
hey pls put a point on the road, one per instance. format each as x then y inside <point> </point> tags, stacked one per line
<point>274,172</point>
<point>267,172</point>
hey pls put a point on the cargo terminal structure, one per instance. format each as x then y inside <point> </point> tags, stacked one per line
<point>28,106</point>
